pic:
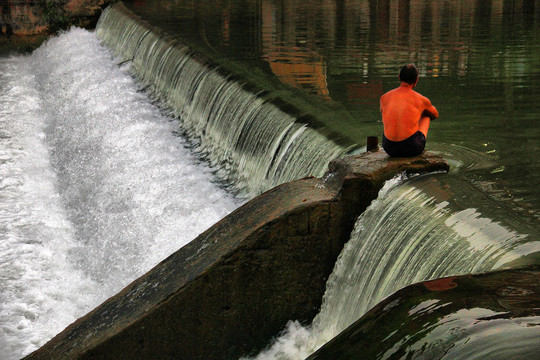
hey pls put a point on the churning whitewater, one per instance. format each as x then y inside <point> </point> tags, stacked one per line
<point>95,188</point>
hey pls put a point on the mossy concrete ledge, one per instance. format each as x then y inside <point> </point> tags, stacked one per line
<point>235,286</point>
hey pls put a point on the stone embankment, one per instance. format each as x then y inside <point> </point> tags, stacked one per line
<point>236,285</point>
<point>25,23</point>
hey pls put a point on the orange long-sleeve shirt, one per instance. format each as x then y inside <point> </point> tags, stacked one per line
<point>402,109</point>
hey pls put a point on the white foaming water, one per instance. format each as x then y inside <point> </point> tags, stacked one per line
<point>94,187</point>
<point>404,237</point>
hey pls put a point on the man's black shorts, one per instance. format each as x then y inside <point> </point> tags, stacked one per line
<point>411,146</point>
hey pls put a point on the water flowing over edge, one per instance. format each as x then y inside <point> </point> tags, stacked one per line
<point>255,145</point>
<point>404,237</point>
<point>95,187</point>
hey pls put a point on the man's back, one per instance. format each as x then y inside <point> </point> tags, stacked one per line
<point>402,109</point>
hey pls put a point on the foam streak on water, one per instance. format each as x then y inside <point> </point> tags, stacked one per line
<point>94,187</point>
<point>405,236</point>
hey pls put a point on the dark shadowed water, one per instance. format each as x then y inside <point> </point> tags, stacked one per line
<point>479,62</point>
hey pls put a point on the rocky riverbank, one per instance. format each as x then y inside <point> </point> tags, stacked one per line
<point>25,24</point>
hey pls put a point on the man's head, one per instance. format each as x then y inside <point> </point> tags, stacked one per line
<point>409,74</point>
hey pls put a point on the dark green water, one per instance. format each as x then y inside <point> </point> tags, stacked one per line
<point>479,62</point>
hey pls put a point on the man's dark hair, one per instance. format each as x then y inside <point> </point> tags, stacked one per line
<point>408,73</point>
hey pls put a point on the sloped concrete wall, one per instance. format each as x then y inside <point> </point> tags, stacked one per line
<point>236,285</point>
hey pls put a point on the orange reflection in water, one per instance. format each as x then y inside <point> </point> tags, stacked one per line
<point>440,284</point>
<point>296,66</point>
<point>294,71</point>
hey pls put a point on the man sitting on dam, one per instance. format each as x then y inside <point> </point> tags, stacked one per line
<point>406,116</point>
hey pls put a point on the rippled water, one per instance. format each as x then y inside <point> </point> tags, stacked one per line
<point>95,188</point>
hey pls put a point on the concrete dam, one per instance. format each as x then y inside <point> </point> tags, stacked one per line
<point>161,202</point>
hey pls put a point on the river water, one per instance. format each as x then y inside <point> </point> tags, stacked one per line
<point>417,229</point>
<point>95,188</point>
<point>479,62</point>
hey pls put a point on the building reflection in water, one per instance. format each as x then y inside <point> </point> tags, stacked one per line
<point>288,43</point>
<point>356,41</point>
<point>337,49</point>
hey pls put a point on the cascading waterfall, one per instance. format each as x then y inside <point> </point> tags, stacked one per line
<point>254,144</point>
<point>405,236</point>
<point>95,188</point>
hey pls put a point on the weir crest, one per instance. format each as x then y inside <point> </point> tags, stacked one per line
<point>254,144</point>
